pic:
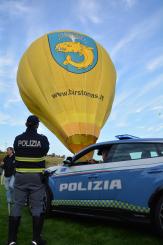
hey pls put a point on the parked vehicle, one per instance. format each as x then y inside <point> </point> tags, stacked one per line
<point>127,184</point>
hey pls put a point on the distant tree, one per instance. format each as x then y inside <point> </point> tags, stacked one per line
<point>53,155</point>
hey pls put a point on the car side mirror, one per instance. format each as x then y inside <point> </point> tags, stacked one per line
<point>68,161</point>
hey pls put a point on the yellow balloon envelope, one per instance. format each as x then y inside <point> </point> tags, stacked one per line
<point>68,80</point>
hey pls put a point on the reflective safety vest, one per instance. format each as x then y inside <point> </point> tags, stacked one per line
<point>30,164</point>
<point>30,159</point>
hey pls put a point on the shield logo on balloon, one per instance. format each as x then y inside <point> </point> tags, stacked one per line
<point>75,52</point>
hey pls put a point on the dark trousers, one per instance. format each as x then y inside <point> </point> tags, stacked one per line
<point>28,186</point>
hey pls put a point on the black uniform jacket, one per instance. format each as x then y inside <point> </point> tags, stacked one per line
<point>30,150</point>
<point>9,165</point>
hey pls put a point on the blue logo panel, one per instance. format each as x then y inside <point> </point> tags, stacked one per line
<point>75,52</point>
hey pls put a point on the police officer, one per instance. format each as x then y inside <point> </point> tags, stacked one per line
<point>30,151</point>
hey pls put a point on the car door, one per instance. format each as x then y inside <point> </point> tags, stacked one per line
<point>129,174</point>
<point>81,183</point>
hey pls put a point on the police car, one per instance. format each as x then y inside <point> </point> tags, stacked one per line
<point>127,184</point>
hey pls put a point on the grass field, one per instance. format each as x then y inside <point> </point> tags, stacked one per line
<point>66,230</point>
<point>51,161</point>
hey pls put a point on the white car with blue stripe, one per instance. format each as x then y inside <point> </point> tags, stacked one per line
<point>127,184</point>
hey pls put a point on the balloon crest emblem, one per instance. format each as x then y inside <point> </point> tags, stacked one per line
<point>74,52</point>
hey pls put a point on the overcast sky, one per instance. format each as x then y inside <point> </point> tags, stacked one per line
<point>130,30</point>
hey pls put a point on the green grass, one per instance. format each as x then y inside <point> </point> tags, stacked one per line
<point>2,155</point>
<point>61,230</point>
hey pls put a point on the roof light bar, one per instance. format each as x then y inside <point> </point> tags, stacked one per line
<point>126,137</point>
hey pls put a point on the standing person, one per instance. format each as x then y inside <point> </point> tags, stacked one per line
<point>8,165</point>
<point>30,151</point>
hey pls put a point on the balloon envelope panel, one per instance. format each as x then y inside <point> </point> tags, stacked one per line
<point>68,81</point>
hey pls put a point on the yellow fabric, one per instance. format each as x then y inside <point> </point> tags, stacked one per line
<point>40,78</point>
<point>87,129</point>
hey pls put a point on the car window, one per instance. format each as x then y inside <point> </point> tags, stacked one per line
<point>96,156</point>
<point>135,155</point>
<point>154,154</point>
<point>134,151</point>
<point>160,149</point>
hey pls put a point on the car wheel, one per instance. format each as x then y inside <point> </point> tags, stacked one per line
<point>47,201</point>
<point>158,216</point>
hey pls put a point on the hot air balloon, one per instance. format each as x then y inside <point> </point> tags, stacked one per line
<point>68,80</point>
